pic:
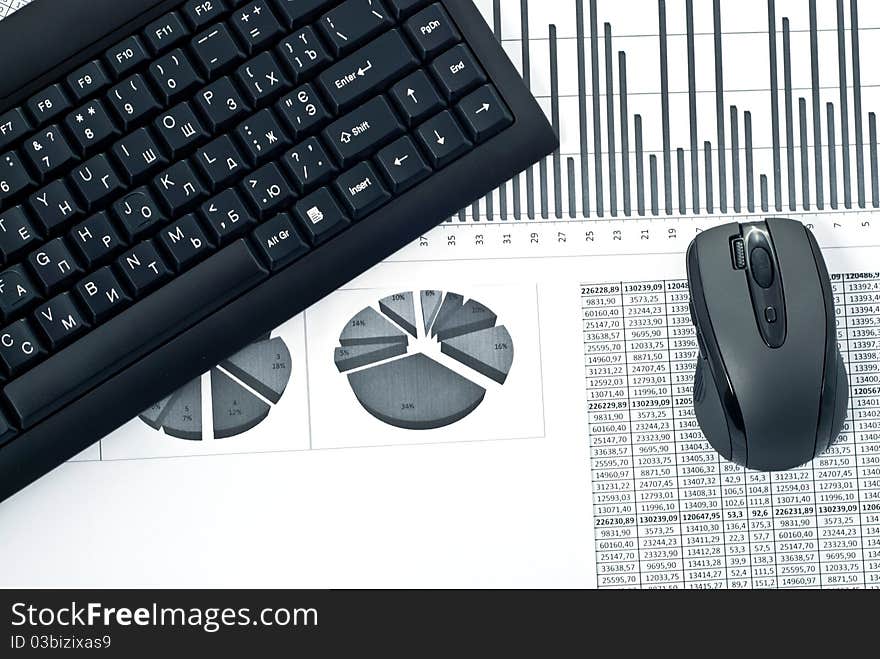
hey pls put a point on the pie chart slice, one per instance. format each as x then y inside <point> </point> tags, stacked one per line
<point>416,393</point>
<point>431,301</point>
<point>489,351</point>
<point>264,367</point>
<point>472,317</point>
<point>154,414</point>
<point>370,327</point>
<point>352,357</point>
<point>183,416</point>
<point>400,308</point>
<point>451,303</point>
<point>235,409</point>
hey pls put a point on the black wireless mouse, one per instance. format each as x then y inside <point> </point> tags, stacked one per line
<point>770,388</point>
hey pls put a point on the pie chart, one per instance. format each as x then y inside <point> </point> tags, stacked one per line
<point>241,392</point>
<point>386,352</point>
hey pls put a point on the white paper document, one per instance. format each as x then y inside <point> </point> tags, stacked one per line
<point>507,401</point>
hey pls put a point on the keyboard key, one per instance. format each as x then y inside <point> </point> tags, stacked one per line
<point>199,13</point>
<point>102,295</point>
<point>60,321</point>
<point>457,72</point>
<point>278,242</point>
<point>220,163</point>
<point>353,23</point>
<point>164,32</point>
<point>416,98</point>
<point>54,206</point>
<point>48,104</point>
<point>484,114</point>
<point>174,76</point>
<point>367,71</point>
<point>142,269</point>
<point>91,127</point>
<point>267,190</point>
<point>138,155</point>
<point>17,234</point>
<point>179,130</point>
<point>215,50</point>
<point>262,137</point>
<point>221,105</point>
<point>87,80</point>
<point>49,151</point>
<point>256,25</point>
<point>95,240</point>
<point>309,165</point>
<point>361,191</point>
<point>14,178</point>
<point>362,131</point>
<point>432,31</point>
<point>303,54</point>
<point>443,139</point>
<point>402,8</point>
<point>262,79</point>
<point>303,111</point>
<point>402,165</point>
<point>179,189</point>
<point>132,101</point>
<point>126,55</point>
<point>320,216</point>
<point>18,292</point>
<point>184,242</point>
<point>53,266</point>
<point>296,12</point>
<point>13,126</point>
<point>19,348</point>
<point>226,216</point>
<point>96,181</point>
<point>7,430</point>
<point>138,213</point>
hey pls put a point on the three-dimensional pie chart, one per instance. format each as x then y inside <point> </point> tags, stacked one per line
<point>242,390</point>
<point>405,387</point>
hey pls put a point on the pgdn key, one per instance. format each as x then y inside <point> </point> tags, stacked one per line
<point>363,131</point>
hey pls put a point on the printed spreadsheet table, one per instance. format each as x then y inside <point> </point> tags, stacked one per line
<point>668,510</point>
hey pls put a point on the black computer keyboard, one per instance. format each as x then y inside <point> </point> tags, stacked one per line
<point>178,178</point>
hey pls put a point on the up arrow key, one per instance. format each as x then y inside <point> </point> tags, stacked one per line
<point>484,108</point>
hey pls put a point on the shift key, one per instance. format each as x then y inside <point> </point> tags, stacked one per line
<point>361,132</point>
<point>368,71</point>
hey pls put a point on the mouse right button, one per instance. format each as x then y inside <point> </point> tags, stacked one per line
<point>762,267</point>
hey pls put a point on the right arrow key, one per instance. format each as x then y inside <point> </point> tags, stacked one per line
<point>443,139</point>
<point>484,113</point>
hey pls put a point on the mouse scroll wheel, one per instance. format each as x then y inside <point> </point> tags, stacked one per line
<point>762,267</point>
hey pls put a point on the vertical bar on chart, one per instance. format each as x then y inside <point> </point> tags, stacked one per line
<point>872,135</point>
<point>765,202</point>
<point>832,155</point>
<point>707,165</point>
<point>774,105</point>
<point>817,116</point>
<point>597,117</point>
<point>475,210</point>
<point>462,216</point>
<point>517,200</point>
<point>624,133</point>
<point>750,163</point>
<point>652,161</point>
<point>554,112</point>
<point>682,192</point>
<point>572,190</point>
<point>490,206</point>
<point>582,108</point>
<point>609,114</point>
<point>502,189</point>
<point>734,158</point>
<point>857,102</point>
<point>805,154</point>
<point>692,108</point>
<point>527,76</point>
<point>543,178</point>
<point>844,104</point>
<point>640,167</point>
<point>719,108</point>
<point>789,114</point>
<point>664,107</point>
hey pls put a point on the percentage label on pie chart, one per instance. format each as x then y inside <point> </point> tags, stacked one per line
<point>407,388</point>
<point>242,390</point>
